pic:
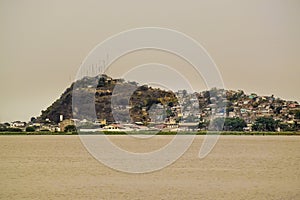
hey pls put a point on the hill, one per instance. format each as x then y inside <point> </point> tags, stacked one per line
<point>141,100</point>
<point>177,106</point>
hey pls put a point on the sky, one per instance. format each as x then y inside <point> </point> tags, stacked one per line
<point>254,43</point>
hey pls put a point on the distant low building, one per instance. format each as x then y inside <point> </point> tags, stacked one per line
<point>189,126</point>
<point>18,124</point>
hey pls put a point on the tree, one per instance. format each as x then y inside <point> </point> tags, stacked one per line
<point>297,114</point>
<point>30,129</point>
<point>33,119</point>
<point>277,110</point>
<point>70,128</point>
<point>265,124</point>
<point>229,124</point>
<point>203,125</point>
<point>285,127</point>
<point>143,88</point>
<point>101,82</point>
<point>171,104</point>
<point>234,124</point>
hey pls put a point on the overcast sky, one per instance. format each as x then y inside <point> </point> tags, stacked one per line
<point>255,44</point>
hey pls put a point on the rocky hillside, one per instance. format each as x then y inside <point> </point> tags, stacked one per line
<point>140,101</point>
<point>131,102</point>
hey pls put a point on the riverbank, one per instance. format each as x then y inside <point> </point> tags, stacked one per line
<point>152,133</point>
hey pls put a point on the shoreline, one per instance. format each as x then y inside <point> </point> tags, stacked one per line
<point>223,133</point>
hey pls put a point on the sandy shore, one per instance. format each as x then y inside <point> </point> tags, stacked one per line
<point>239,167</point>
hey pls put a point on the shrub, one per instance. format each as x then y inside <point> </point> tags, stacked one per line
<point>70,128</point>
<point>30,129</point>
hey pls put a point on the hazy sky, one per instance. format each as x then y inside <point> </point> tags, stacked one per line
<point>255,44</point>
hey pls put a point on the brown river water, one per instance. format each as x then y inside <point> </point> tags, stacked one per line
<point>239,167</point>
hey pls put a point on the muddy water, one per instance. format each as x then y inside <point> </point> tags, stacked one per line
<point>239,167</point>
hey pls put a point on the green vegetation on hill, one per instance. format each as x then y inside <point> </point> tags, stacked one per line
<point>143,97</point>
